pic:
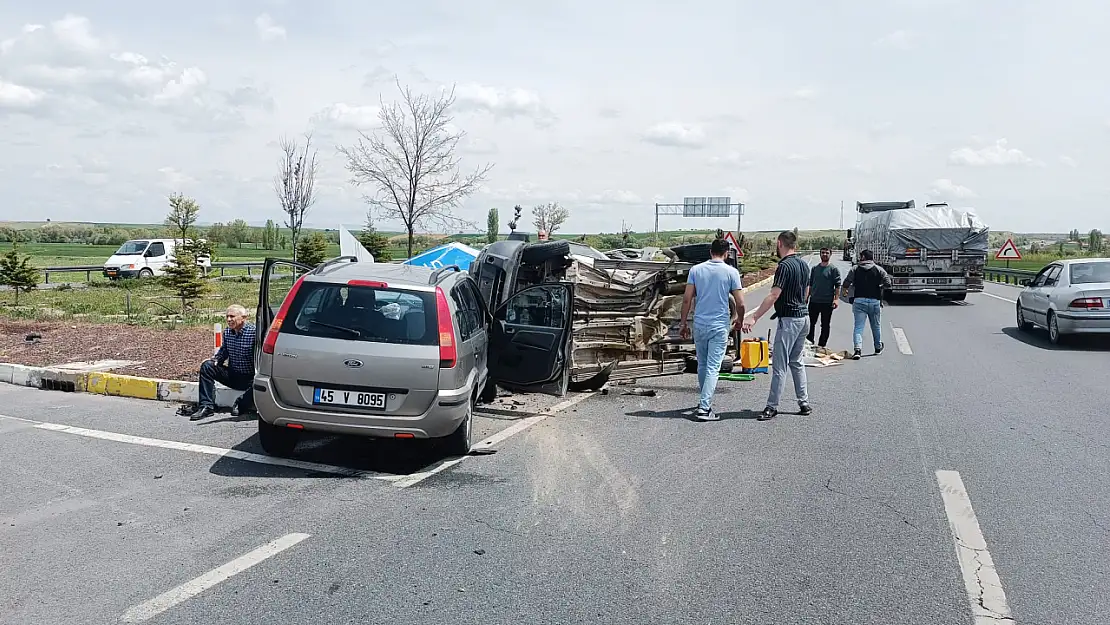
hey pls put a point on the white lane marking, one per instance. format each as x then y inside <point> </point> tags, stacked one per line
<point>192,588</point>
<point>512,430</point>
<point>1005,299</point>
<point>984,589</point>
<point>205,449</point>
<point>902,341</point>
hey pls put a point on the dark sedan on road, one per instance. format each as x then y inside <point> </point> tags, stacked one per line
<point>1067,297</point>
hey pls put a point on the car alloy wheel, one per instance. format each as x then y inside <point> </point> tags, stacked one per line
<point>1053,329</point>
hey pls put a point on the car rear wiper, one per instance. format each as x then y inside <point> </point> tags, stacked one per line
<point>335,327</point>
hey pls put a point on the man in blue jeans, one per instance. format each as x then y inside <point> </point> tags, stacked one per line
<point>788,297</point>
<point>711,283</point>
<point>871,282</point>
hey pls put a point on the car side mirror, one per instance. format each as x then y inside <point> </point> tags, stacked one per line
<point>1026,282</point>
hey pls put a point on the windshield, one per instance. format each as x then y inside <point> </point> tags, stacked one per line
<point>132,248</point>
<point>377,315</point>
<point>1090,273</point>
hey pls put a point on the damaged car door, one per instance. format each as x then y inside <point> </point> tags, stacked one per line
<point>529,347</point>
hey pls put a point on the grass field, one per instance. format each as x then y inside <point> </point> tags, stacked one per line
<point>1029,262</point>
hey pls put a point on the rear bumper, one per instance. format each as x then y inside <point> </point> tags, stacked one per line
<point>1083,322</point>
<point>441,419</point>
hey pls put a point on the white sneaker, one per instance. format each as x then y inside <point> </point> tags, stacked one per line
<point>709,415</point>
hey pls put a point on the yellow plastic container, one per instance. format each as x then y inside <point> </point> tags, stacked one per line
<point>755,356</point>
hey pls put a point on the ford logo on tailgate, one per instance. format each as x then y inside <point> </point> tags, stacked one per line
<point>352,363</point>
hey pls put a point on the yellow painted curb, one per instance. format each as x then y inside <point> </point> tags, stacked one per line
<point>121,385</point>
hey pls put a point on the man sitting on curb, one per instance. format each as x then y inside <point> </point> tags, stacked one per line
<point>238,350</point>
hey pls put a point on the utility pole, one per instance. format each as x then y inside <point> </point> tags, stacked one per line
<point>841,214</point>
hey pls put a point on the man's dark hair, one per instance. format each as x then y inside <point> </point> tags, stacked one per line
<point>719,247</point>
<point>788,239</point>
<point>867,255</point>
<point>826,249</point>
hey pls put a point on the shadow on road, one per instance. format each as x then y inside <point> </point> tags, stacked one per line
<point>922,299</point>
<point>1078,343</point>
<point>351,452</point>
<point>688,414</point>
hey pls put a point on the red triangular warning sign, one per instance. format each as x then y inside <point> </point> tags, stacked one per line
<point>1009,251</point>
<point>736,246</point>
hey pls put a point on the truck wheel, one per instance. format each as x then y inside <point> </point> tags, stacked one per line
<point>539,253</point>
<point>957,297</point>
<point>275,440</point>
<point>145,273</point>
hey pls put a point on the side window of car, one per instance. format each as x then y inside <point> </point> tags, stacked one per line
<point>473,304</point>
<point>462,318</point>
<point>156,250</point>
<point>1053,276</point>
<point>1039,280</point>
<point>537,307</point>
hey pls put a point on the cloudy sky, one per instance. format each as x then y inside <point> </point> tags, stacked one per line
<point>791,106</point>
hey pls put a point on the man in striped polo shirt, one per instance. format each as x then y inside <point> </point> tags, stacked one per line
<point>788,297</point>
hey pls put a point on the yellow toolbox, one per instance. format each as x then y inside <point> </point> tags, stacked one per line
<point>755,356</point>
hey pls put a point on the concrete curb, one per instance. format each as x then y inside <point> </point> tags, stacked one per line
<point>113,384</point>
<point>761,283</point>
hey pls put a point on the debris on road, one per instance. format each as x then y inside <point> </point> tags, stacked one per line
<point>640,392</point>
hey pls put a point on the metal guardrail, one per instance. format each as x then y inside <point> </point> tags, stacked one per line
<point>88,270</point>
<point>1007,276</point>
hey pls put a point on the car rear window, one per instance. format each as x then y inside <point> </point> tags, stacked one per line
<point>1090,273</point>
<point>363,313</point>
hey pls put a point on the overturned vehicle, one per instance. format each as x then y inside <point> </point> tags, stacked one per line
<point>627,304</point>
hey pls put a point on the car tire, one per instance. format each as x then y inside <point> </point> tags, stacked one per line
<point>539,253</point>
<point>458,443</point>
<point>145,273</point>
<point>1022,324</point>
<point>1054,335</point>
<point>276,440</point>
<point>489,393</point>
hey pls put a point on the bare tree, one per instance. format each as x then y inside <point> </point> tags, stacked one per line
<point>549,217</point>
<point>295,183</point>
<point>411,166</point>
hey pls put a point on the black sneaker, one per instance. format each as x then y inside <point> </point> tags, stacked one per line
<point>856,355</point>
<point>805,409</point>
<point>706,415</point>
<point>768,414</point>
<point>879,349</point>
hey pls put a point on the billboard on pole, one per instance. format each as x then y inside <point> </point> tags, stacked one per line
<point>707,206</point>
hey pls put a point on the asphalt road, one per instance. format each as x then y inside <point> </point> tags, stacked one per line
<point>616,509</point>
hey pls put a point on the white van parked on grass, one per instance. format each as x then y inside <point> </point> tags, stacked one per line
<point>145,258</point>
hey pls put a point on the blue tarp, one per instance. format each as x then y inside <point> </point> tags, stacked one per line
<point>445,256</point>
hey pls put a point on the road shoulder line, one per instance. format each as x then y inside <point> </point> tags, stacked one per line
<point>984,589</point>
<point>1005,299</point>
<point>902,342</point>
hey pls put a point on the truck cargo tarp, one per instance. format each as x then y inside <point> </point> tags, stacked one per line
<point>932,227</point>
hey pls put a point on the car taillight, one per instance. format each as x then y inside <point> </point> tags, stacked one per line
<point>275,326</point>
<point>448,352</point>
<point>1086,302</point>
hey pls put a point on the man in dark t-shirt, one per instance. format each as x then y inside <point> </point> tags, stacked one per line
<point>788,297</point>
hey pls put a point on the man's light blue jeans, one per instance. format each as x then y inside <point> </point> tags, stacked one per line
<point>790,341</point>
<point>869,310</point>
<point>710,343</point>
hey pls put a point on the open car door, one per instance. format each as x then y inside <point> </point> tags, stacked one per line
<point>530,341</point>
<point>276,281</point>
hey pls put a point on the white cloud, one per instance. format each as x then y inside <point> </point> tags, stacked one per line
<point>798,158</point>
<point>503,103</point>
<point>17,97</point>
<point>1069,161</point>
<point>268,29</point>
<point>615,196</point>
<point>805,93</point>
<point>738,194</point>
<point>175,179</point>
<point>992,155</point>
<point>675,134</point>
<point>944,189</point>
<point>898,40</point>
<point>732,160</point>
<point>348,117</point>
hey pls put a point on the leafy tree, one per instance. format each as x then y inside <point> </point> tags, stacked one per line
<point>183,216</point>
<point>236,233</point>
<point>492,226</point>
<point>17,272</point>
<point>270,235</point>
<point>549,217</point>
<point>1094,241</point>
<point>313,249</point>
<point>375,242</point>
<point>182,275</point>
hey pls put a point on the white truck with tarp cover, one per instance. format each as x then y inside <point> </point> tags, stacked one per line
<point>932,248</point>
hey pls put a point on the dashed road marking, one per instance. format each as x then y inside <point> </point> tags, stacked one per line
<point>206,449</point>
<point>902,342</point>
<point>1005,299</point>
<point>149,609</point>
<point>984,589</point>
<point>512,430</point>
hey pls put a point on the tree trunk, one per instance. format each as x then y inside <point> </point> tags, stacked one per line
<point>410,241</point>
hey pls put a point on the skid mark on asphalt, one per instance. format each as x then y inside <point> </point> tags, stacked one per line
<point>984,589</point>
<point>512,430</point>
<point>205,449</point>
<point>902,342</point>
<point>149,609</point>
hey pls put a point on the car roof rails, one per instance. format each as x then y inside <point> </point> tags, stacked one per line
<point>438,274</point>
<point>336,260</point>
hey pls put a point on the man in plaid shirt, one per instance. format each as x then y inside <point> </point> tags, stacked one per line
<point>237,350</point>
